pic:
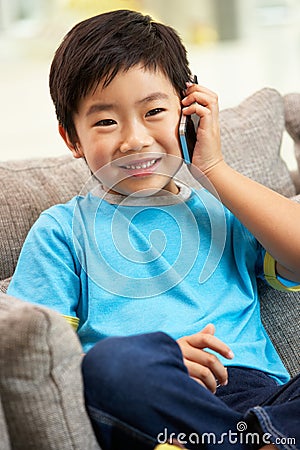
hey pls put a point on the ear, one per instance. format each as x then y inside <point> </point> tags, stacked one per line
<point>75,148</point>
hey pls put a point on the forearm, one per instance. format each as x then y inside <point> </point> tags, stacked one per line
<point>273,219</point>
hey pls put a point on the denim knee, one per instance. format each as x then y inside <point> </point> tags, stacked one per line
<point>119,369</point>
<point>114,354</point>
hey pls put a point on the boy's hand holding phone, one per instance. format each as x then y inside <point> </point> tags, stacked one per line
<point>204,103</point>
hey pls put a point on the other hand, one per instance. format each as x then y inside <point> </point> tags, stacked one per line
<point>205,367</point>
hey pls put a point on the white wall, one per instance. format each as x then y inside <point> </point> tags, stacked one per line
<point>267,55</point>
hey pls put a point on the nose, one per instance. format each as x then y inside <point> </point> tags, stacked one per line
<point>134,138</point>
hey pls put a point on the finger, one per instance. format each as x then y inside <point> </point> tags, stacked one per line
<point>202,340</point>
<point>195,359</point>
<point>201,98</point>
<point>200,382</point>
<point>208,120</point>
<point>203,104</point>
<point>202,374</point>
<point>209,329</point>
<point>209,115</point>
<point>190,87</point>
<point>205,98</point>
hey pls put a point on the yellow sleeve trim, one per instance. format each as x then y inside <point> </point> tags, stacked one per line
<point>74,321</point>
<point>271,277</point>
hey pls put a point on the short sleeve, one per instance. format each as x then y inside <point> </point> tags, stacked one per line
<point>46,271</point>
<point>273,279</point>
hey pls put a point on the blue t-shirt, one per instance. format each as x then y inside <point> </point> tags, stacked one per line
<point>118,266</point>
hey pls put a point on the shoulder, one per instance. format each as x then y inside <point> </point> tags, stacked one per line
<point>63,214</point>
<point>60,211</point>
<point>54,222</point>
<point>203,202</point>
<point>220,216</point>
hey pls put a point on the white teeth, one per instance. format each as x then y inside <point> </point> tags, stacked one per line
<point>145,165</point>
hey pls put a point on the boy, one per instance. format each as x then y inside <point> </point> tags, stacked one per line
<point>148,270</point>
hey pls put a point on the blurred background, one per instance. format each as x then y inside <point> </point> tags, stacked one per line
<point>235,47</point>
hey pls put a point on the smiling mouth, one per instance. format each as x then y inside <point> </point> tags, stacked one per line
<point>141,165</point>
<point>141,168</point>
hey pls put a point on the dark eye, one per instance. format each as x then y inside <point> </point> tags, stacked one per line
<point>154,112</point>
<point>105,123</point>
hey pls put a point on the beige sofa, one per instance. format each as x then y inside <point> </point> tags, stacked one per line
<point>41,400</point>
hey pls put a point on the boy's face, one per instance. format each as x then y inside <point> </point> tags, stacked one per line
<point>128,133</point>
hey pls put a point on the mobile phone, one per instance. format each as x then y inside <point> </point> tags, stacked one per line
<point>188,134</point>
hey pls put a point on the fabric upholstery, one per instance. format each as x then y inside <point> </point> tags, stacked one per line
<point>4,284</point>
<point>280,312</point>
<point>26,188</point>
<point>4,438</point>
<point>292,114</point>
<point>292,123</point>
<point>251,135</point>
<point>40,380</point>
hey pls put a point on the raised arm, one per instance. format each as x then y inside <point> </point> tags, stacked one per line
<point>273,219</point>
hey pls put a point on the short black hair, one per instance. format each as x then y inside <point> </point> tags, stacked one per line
<point>96,49</point>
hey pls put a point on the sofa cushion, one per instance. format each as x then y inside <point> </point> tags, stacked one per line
<point>28,187</point>
<point>292,115</point>
<point>251,135</point>
<point>292,123</point>
<point>40,379</point>
<point>280,313</point>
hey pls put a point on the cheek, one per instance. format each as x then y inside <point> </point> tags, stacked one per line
<point>174,125</point>
<point>98,156</point>
<point>171,139</point>
<point>96,152</point>
<point>95,161</point>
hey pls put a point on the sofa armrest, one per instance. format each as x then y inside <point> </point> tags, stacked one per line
<point>40,379</point>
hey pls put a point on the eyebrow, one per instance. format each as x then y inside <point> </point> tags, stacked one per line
<point>154,96</point>
<point>98,107</point>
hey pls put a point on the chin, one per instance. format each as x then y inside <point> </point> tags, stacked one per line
<point>144,188</point>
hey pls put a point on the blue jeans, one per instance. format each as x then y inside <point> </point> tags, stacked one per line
<point>138,393</point>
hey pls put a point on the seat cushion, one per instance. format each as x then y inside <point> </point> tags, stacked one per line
<point>292,123</point>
